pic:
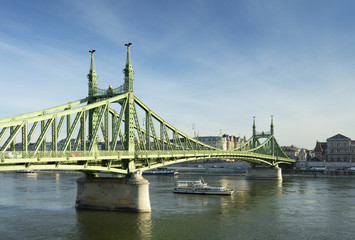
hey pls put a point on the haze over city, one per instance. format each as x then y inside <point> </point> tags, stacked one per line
<point>212,64</point>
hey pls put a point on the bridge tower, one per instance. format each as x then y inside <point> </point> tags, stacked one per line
<point>272,125</point>
<point>93,113</point>
<point>262,172</point>
<point>272,134</point>
<point>123,194</point>
<point>258,135</point>
<point>254,133</point>
<point>129,139</point>
<point>129,117</point>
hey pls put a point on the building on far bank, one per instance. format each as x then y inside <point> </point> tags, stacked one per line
<point>233,142</point>
<point>338,152</point>
<point>320,151</point>
<point>214,141</point>
<point>340,149</point>
<point>291,151</point>
<point>224,142</point>
<point>301,155</point>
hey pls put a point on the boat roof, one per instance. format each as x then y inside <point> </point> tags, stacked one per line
<point>189,181</point>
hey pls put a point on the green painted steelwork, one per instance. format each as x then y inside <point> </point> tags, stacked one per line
<point>67,137</point>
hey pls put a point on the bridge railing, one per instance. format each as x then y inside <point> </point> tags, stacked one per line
<point>54,154</point>
<point>109,91</point>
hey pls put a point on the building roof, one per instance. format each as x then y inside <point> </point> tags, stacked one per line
<point>338,137</point>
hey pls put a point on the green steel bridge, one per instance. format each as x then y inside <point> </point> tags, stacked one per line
<point>67,137</point>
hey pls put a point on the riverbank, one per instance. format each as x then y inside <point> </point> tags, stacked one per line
<point>212,171</point>
<point>318,173</point>
<point>212,167</point>
<point>239,169</point>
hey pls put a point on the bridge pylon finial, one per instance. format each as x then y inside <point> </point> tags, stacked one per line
<point>254,133</point>
<point>92,76</point>
<point>128,60</point>
<point>272,125</point>
<point>128,71</point>
<point>254,127</point>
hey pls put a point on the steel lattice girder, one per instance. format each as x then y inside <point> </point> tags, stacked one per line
<point>176,152</point>
<point>142,148</point>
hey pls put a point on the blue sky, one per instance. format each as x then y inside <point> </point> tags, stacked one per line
<point>214,64</point>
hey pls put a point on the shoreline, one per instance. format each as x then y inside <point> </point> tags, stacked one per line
<point>287,173</point>
<point>318,173</point>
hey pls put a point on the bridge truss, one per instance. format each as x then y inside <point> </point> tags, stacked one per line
<point>67,137</point>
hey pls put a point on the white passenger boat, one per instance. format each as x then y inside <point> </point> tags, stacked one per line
<point>160,172</point>
<point>200,187</point>
<point>25,171</point>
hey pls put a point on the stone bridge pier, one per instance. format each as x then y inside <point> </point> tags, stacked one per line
<point>264,173</point>
<point>113,194</point>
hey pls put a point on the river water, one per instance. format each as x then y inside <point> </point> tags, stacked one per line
<point>41,206</point>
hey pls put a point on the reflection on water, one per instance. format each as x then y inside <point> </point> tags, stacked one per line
<point>296,208</point>
<point>113,225</point>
